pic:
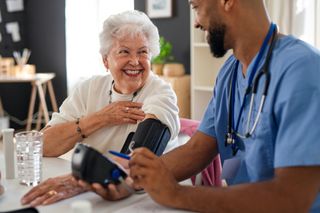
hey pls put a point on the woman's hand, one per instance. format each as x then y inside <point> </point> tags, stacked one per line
<point>53,190</point>
<point>122,112</point>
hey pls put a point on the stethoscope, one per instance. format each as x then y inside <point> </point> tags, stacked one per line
<point>252,88</point>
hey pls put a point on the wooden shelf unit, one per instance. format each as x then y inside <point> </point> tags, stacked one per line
<point>204,70</point>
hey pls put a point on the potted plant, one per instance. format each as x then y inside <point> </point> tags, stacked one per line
<point>163,57</point>
<point>164,64</point>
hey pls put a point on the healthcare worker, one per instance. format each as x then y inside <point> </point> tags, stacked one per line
<point>263,120</point>
<point>267,131</point>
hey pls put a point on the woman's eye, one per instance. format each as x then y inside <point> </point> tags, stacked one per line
<point>122,52</point>
<point>143,52</point>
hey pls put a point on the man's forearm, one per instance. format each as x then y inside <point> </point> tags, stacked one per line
<point>294,192</point>
<point>192,157</point>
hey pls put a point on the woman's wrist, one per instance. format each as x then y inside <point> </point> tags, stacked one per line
<point>85,126</point>
<point>101,120</point>
<point>79,129</point>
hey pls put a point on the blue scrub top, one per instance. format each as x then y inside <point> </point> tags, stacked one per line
<point>288,131</point>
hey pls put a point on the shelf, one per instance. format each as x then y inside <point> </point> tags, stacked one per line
<point>203,88</point>
<point>201,100</point>
<point>181,86</point>
<point>204,71</point>
<point>201,44</point>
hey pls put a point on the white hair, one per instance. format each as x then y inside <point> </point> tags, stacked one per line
<point>129,23</point>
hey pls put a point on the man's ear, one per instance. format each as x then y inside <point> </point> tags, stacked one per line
<point>227,4</point>
<point>105,62</point>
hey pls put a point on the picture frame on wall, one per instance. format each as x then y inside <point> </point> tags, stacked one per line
<point>159,8</point>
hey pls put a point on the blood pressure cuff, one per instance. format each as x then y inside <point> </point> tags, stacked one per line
<point>152,134</point>
<point>90,165</point>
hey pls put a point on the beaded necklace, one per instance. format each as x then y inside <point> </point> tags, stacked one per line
<point>110,93</point>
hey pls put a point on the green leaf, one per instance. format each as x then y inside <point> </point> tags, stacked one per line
<point>165,54</point>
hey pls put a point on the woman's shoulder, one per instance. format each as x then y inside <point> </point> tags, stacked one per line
<point>154,81</point>
<point>92,85</point>
<point>99,79</point>
<point>156,86</point>
<point>96,81</point>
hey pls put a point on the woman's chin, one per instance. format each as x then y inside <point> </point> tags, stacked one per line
<point>135,89</point>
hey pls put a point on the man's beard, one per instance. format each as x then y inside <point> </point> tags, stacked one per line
<point>216,40</point>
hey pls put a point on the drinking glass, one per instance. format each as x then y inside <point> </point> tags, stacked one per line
<point>29,157</point>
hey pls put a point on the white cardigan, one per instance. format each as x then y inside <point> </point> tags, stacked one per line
<point>91,95</point>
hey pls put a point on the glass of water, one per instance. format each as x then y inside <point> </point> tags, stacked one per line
<point>29,157</point>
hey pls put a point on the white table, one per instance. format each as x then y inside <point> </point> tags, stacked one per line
<point>53,167</point>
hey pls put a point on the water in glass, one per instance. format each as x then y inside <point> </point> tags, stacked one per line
<point>29,157</point>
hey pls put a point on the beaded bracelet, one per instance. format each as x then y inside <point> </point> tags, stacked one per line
<point>79,129</point>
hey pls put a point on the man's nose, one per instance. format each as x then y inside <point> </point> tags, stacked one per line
<point>196,22</point>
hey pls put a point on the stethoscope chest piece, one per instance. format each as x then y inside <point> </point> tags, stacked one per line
<point>229,139</point>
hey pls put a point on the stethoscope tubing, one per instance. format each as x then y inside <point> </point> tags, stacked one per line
<point>264,72</point>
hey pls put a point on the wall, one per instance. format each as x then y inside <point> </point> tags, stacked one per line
<point>45,20</point>
<point>44,34</point>
<point>7,45</point>
<point>175,29</point>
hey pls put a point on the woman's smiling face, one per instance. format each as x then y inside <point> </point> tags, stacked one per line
<point>129,63</point>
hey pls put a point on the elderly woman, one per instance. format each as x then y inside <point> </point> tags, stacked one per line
<point>105,109</point>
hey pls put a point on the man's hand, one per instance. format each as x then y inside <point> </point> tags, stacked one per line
<point>149,172</point>
<point>53,190</point>
<point>111,192</point>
